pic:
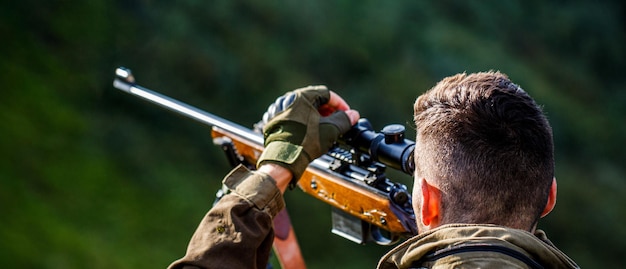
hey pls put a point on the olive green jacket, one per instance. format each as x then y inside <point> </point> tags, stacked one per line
<point>476,246</point>
<point>238,233</point>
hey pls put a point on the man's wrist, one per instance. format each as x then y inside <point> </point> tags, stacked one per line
<point>286,154</point>
<point>258,188</point>
<point>280,174</point>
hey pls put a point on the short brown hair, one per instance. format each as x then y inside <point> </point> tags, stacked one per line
<point>488,146</point>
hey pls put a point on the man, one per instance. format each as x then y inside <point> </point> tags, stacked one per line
<point>484,176</point>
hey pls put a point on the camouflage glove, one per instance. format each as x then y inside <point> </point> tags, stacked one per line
<point>296,133</point>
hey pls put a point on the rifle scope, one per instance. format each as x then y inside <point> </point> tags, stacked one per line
<point>388,147</point>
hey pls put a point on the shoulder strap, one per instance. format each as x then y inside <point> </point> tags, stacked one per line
<point>477,248</point>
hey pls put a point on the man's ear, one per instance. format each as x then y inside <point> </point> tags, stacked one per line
<point>431,205</point>
<point>551,199</point>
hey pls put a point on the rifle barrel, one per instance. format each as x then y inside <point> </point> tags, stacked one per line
<point>125,81</point>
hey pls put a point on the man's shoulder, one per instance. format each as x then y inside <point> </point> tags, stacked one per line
<point>486,246</point>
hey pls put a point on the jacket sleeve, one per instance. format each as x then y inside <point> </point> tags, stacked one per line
<point>237,232</point>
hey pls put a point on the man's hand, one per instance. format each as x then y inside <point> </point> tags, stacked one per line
<point>306,123</point>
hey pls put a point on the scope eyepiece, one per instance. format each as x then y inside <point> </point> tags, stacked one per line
<point>389,147</point>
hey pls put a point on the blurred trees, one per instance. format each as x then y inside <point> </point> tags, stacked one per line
<point>94,178</point>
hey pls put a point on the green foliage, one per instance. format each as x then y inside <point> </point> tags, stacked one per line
<point>94,178</point>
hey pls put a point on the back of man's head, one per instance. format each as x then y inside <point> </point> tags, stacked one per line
<point>488,146</point>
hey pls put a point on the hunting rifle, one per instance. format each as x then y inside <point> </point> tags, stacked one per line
<point>365,205</point>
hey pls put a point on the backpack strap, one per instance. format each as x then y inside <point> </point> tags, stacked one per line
<point>477,248</point>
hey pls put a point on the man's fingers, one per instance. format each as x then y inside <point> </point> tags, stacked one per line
<point>336,102</point>
<point>353,115</point>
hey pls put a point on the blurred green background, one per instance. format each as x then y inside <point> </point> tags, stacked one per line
<point>94,178</point>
